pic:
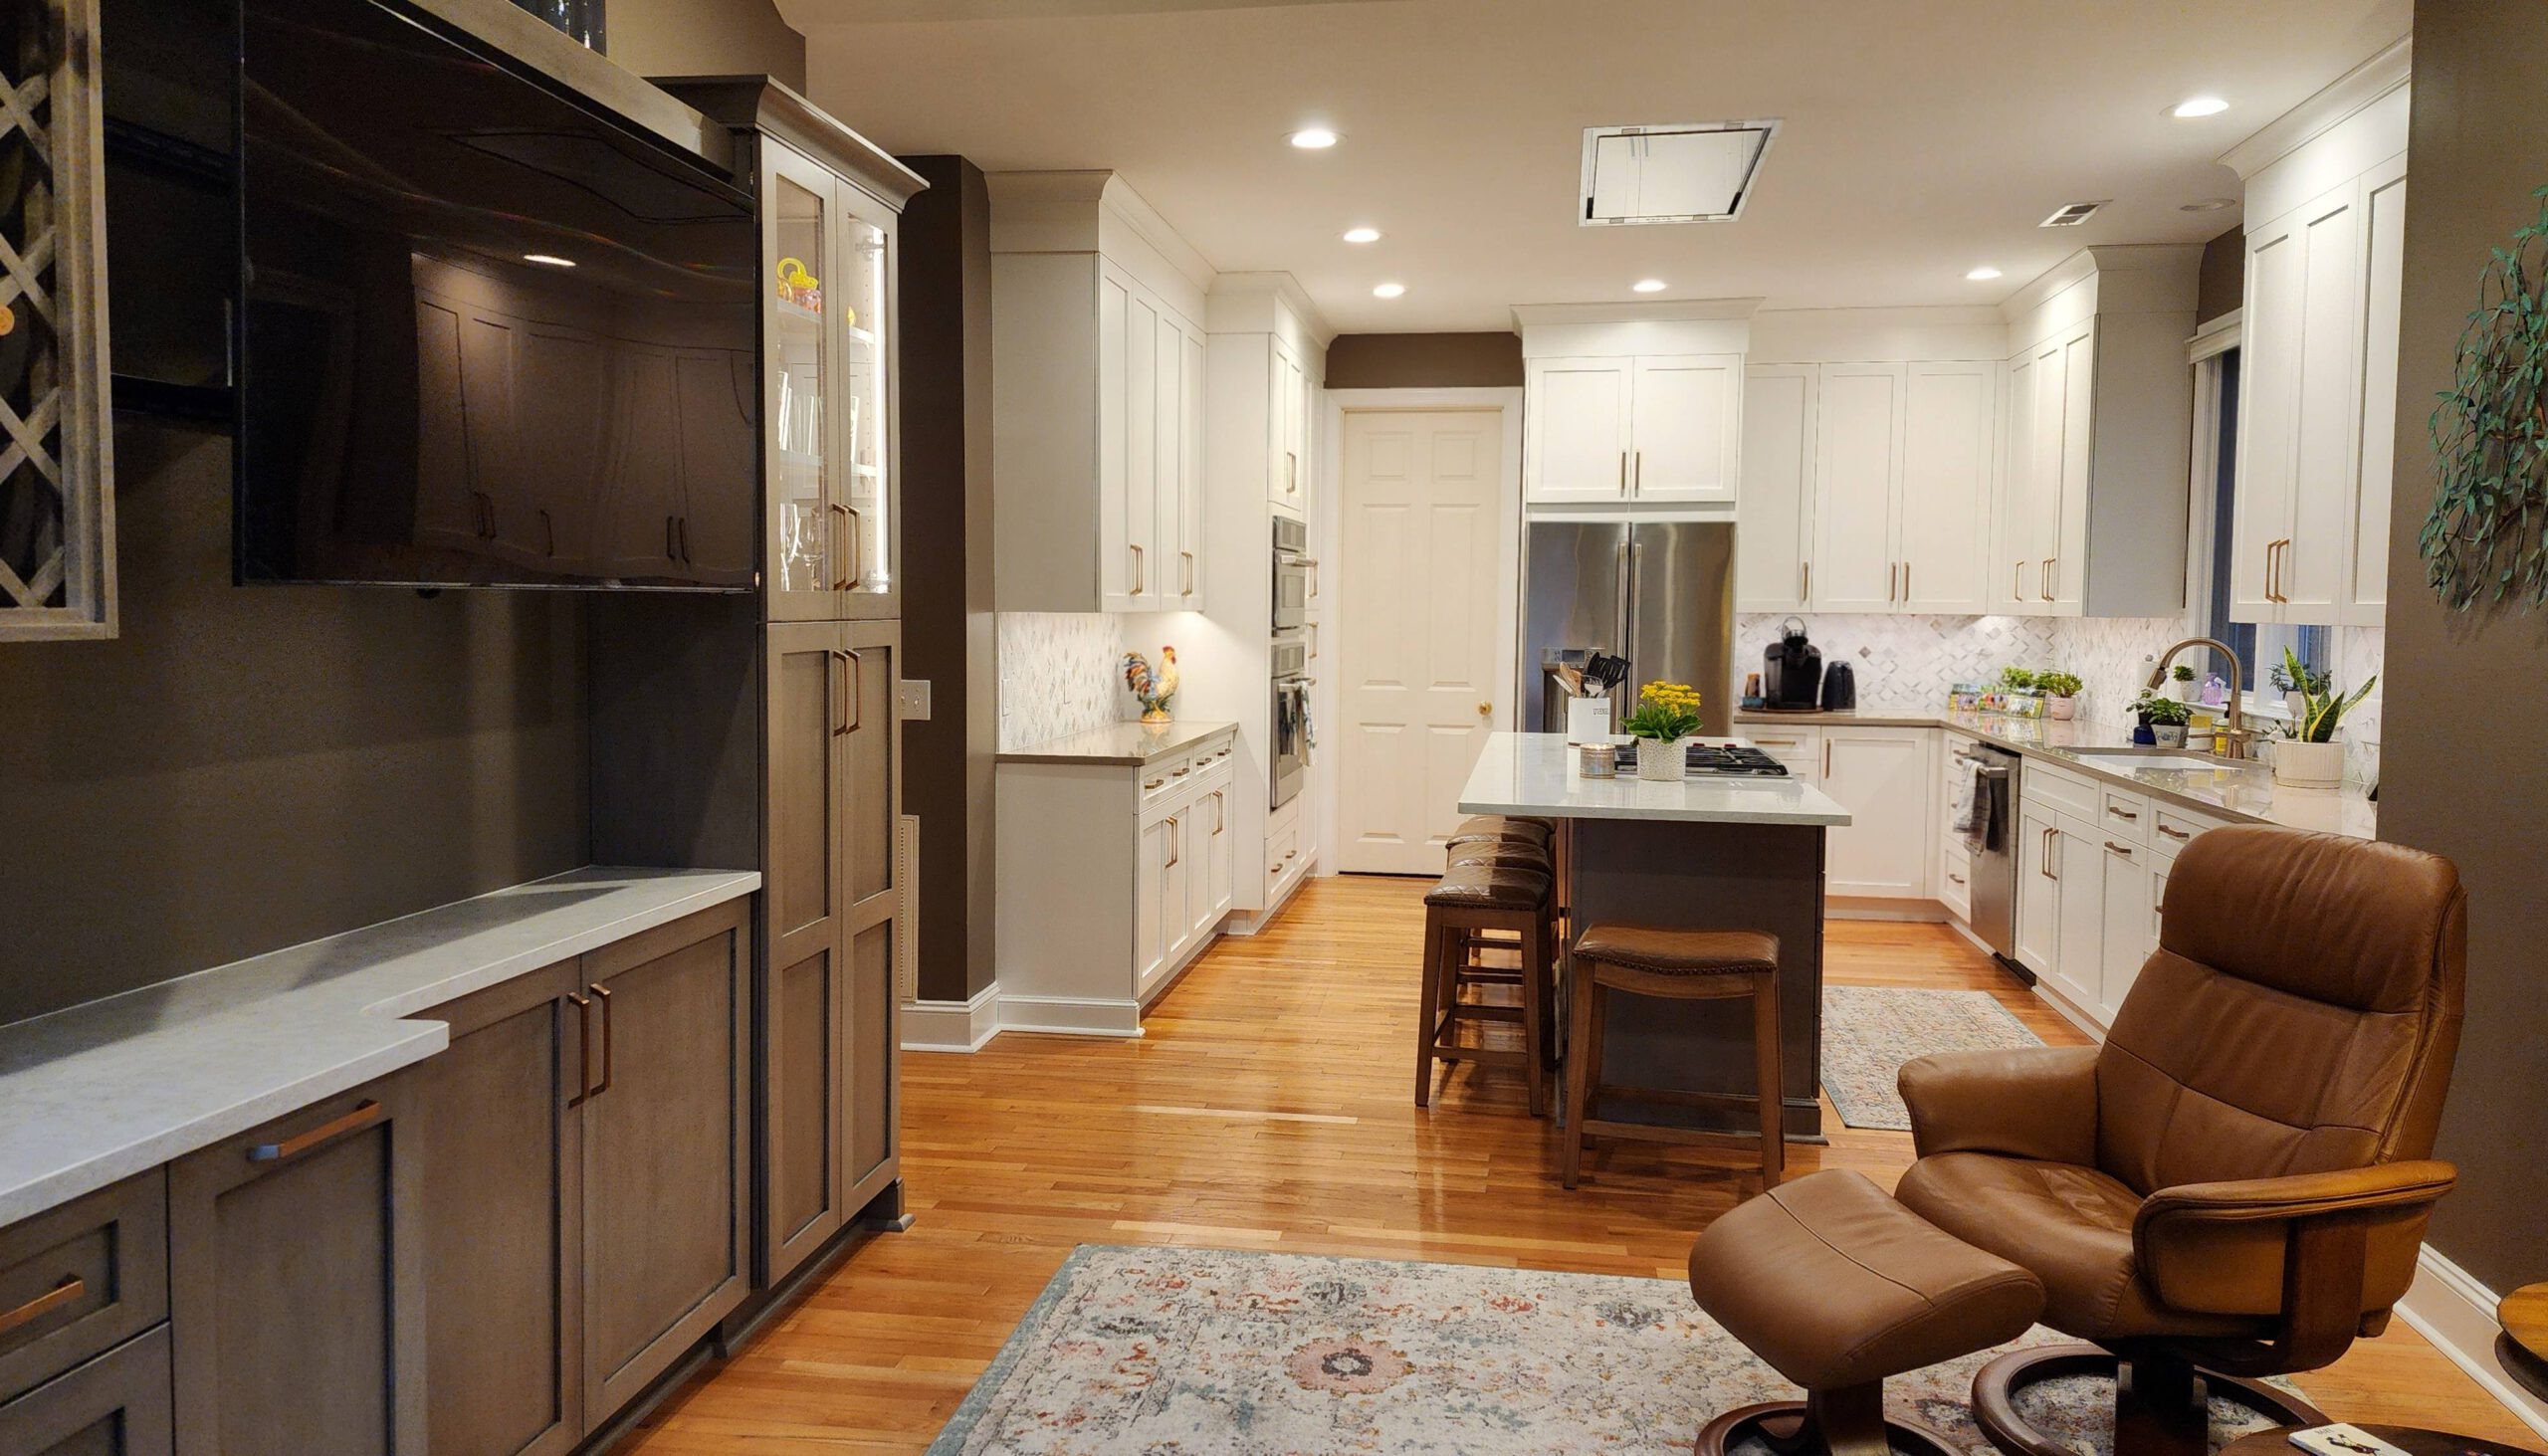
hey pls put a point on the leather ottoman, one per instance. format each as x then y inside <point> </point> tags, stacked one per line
<point>1836,1286</point>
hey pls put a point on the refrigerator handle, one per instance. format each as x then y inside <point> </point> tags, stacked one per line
<point>1628,628</point>
<point>1619,629</point>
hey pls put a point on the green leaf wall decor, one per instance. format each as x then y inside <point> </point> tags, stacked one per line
<point>2484,540</point>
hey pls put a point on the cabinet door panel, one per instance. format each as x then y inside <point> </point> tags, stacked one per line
<point>1190,513</point>
<point>2079,961</point>
<point>1150,935</point>
<point>2269,418</point>
<point>1947,453</point>
<point>2384,209</point>
<point>1142,534</point>
<point>1118,562</point>
<point>2126,903</point>
<point>869,441</point>
<point>874,1049</point>
<point>2012,529</point>
<point>2324,460</point>
<point>2067,589</point>
<point>2047,442</point>
<point>868,748</point>
<point>1578,437</point>
<point>1169,429</point>
<point>1774,540</point>
<point>295,1267</point>
<point>805,906</point>
<point>2038,889</point>
<point>802,540</point>
<point>114,1405</point>
<point>502,1193</point>
<point>663,1133</point>
<point>1684,421</point>
<point>804,1098</point>
<point>1858,472</point>
<point>1883,778</point>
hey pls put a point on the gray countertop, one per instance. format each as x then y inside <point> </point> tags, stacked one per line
<point>2239,790</point>
<point>1534,773</point>
<point>100,1092</point>
<point>1128,744</point>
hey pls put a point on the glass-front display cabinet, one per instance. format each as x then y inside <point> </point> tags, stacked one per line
<point>830,201</point>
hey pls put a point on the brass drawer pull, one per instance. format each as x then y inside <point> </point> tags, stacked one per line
<point>2124,850</point>
<point>2124,814</point>
<point>66,1292</point>
<point>583,1048</point>
<point>601,993</point>
<point>2176,834</point>
<point>293,1147</point>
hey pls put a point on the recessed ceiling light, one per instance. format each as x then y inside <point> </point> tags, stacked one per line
<point>1313,138</point>
<point>1362,235</point>
<point>1984,274</point>
<point>549,259</point>
<point>2193,107</point>
<point>1388,290</point>
<point>2209,204</point>
<point>1648,286</point>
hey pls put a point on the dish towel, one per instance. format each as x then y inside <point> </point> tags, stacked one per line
<point>1968,801</point>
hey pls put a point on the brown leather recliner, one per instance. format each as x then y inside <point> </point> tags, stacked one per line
<point>2236,1182</point>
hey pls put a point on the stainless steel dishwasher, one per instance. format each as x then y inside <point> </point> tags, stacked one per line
<point>1990,834</point>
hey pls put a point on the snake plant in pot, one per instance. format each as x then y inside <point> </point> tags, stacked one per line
<point>2308,755</point>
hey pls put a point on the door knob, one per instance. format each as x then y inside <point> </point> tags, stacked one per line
<point>1486,709</point>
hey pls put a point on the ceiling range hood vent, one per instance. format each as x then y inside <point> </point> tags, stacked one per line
<point>1696,172</point>
<point>2070,215</point>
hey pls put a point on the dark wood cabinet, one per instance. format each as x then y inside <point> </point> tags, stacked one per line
<point>295,1277</point>
<point>503,1194</point>
<point>78,1280</point>
<point>832,895</point>
<point>585,1201</point>
<point>114,1405</point>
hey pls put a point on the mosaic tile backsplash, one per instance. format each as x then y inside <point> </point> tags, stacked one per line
<point>1057,675</point>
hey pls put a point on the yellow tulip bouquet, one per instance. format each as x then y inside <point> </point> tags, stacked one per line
<point>1665,712</point>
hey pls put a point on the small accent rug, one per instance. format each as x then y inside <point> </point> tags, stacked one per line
<point>1176,1351</point>
<point>1868,1032</point>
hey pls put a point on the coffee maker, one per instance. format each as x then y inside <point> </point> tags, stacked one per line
<point>1791,672</point>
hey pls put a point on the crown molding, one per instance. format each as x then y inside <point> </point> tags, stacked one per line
<point>2334,102</point>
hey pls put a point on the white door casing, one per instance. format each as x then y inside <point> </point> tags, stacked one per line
<point>1416,631</point>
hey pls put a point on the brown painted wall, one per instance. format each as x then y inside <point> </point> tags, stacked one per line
<point>948,627</point>
<point>1424,361</point>
<point>706,38</point>
<point>2469,785</point>
<point>247,768</point>
<point>2221,284</point>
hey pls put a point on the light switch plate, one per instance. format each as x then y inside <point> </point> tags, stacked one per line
<point>912,696</point>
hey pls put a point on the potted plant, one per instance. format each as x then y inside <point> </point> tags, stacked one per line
<point>2165,716</point>
<point>1666,715</point>
<point>2181,683</point>
<point>2308,755</point>
<point>2061,692</point>
<point>2017,695</point>
<point>2295,681</point>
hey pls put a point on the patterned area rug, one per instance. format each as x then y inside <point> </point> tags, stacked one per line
<point>1153,1352</point>
<point>1868,1032</point>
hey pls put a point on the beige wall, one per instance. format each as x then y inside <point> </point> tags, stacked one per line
<point>1424,361</point>
<point>2467,778</point>
<point>2221,284</point>
<point>706,38</point>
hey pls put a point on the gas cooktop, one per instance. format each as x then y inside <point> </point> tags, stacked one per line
<point>1724,759</point>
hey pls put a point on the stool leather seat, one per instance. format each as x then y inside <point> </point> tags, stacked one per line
<point>1835,1284</point>
<point>1681,952</point>
<point>1503,826</point>
<point>1502,854</point>
<point>1485,887</point>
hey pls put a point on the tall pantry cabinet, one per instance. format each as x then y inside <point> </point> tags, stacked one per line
<point>832,904</point>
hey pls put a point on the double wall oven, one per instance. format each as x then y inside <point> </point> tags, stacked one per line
<point>1294,576</point>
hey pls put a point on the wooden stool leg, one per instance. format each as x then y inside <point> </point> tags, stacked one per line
<point>1534,956</point>
<point>1765,1051</point>
<point>1436,950</point>
<point>1601,1044</point>
<point>1580,1028</point>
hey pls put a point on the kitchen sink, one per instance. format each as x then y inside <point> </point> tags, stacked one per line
<point>2127,760</point>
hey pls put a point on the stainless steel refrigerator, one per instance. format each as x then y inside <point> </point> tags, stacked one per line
<point>1659,594</point>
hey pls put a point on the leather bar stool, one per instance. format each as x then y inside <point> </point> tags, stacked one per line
<point>1672,965</point>
<point>1472,900</point>
<point>1504,829</point>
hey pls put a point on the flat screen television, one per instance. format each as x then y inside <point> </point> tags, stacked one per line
<point>491,337</point>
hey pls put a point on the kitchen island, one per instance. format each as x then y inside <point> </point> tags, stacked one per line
<point>1707,853</point>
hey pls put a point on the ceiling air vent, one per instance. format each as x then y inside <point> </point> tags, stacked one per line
<point>1695,173</point>
<point>2072,214</point>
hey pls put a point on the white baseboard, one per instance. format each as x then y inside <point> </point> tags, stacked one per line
<point>1881,908</point>
<point>2457,1314</point>
<point>1069,1015</point>
<point>951,1026</point>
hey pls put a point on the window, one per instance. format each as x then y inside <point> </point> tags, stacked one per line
<point>2259,647</point>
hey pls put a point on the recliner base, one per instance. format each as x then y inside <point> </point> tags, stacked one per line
<point>2161,1407</point>
<point>1831,1423</point>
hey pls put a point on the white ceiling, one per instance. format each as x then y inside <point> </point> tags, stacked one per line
<point>1921,138</point>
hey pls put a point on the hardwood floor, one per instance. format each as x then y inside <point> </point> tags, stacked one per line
<point>1268,1106</point>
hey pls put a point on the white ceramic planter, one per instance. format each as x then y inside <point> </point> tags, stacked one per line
<point>2061,710</point>
<point>2169,734</point>
<point>1660,762</point>
<point>2308,765</point>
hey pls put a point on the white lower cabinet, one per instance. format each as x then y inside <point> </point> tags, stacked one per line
<point>1882,776</point>
<point>2038,889</point>
<point>2129,931</point>
<point>1112,878</point>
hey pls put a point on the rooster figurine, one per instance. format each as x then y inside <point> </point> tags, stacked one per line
<point>1153,690</point>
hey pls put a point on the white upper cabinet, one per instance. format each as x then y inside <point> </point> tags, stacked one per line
<point>1288,475</point>
<point>1858,481</point>
<point>2318,371</point>
<point>1684,422</point>
<point>1577,429</point>
<point>1773,538</point>
<point>1097,401</point>
<point>1949,410</point>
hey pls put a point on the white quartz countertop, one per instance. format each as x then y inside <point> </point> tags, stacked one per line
<point>2241,790</point>
<point>1534,773</point>
<point>1130,745</point>
<point>100,1091</point>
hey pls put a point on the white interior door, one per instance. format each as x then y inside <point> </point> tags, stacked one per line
<point>1415,632</point>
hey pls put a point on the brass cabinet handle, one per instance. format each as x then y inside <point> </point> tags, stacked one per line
<point>601,993</point>
<point>839,682</point>
<point>681,528</point>
<point>1955,879</point>
<point>2018,581</point>
<point>1623,471</point>
<point>857,548</point>
<point>583,1048</point>
<point>840,551</point>
<point>300,1143</point>
<point>1638,487</point>
<point>1906,583</point>
<point>2047,868</point>
<point>1141,573</point>
<point>2044,578</point>
<point>1827,757</point>
<point>1221,810</point>
<point>2271,547</point>
<point>1180,773</point>
<point>2175,834</point>
<point>1176,850</point>
<point>69,1289</point>
<point>2124,850</point>
<point>1892,581</point>
<point>2124,814</point>
<point>857,695</point>
<point>547,532</point>
<point>1804,581</point>
<point>672,553</point>
<point>1154,783</point>
<point>1188,558</point>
